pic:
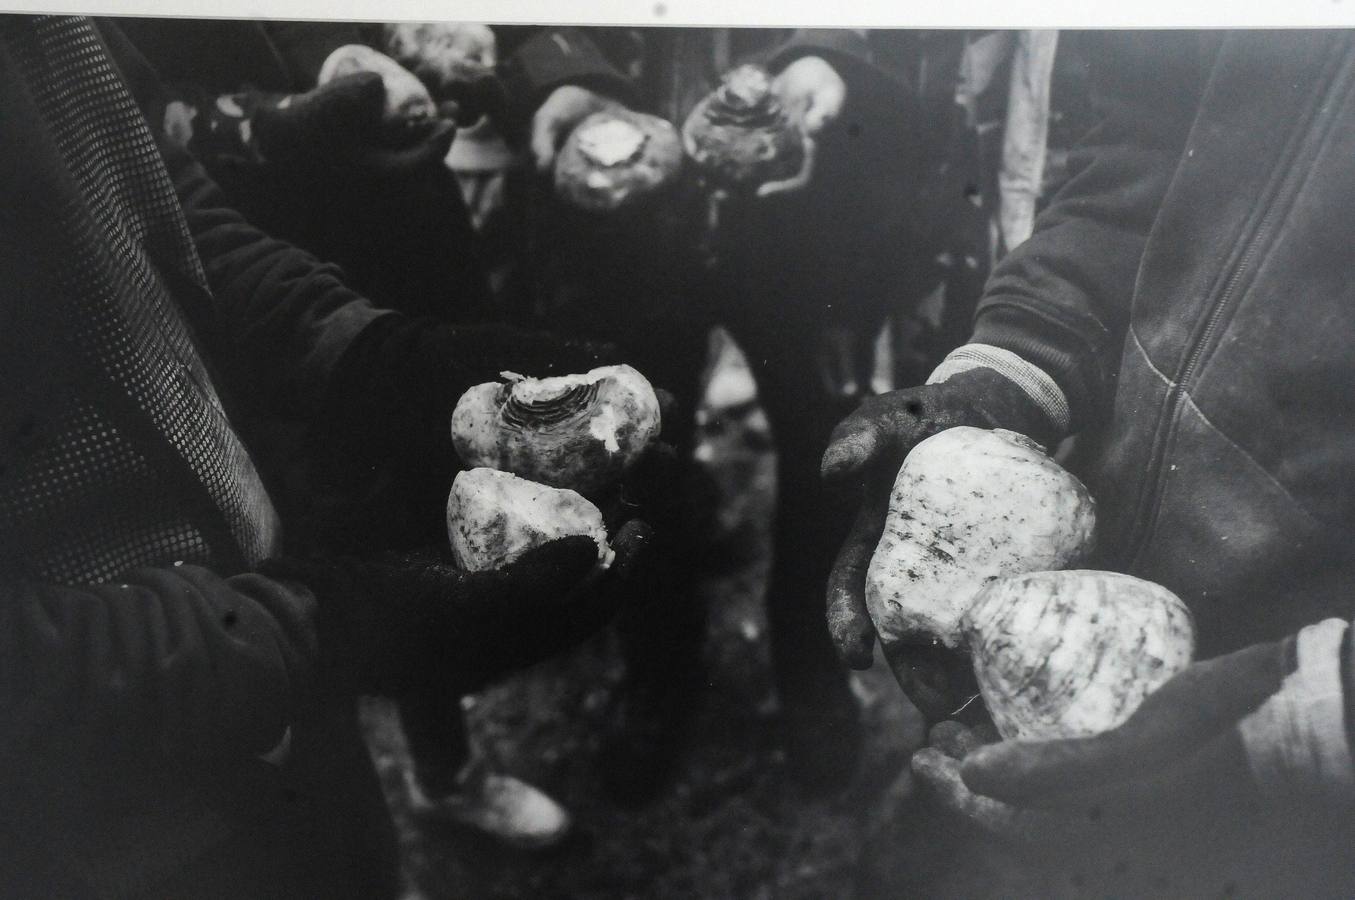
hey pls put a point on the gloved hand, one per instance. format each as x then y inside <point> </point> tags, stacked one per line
<point>652,489</point>
<point>812,94</point>
<point>343,124</point>
<point>1184,763</point>
<point>566,107</point>
<point>401,622</point>
<point>865,451</point>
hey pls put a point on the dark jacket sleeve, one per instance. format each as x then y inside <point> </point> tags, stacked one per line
<point>1061,300</point>
<point>278,320</point>
<point>175,662</point>
<point>284,317</point>
<point>848,49</point>
<point>217,56</point>
<point>304,46</point>
<point>548,58</point>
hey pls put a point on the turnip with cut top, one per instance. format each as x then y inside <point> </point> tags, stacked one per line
<point>580,432</point>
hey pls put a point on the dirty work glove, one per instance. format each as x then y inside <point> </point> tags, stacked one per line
<point>381,442</point>
<point>865,452</point>
<point>565,107</point>
<point>398,623</point>
<point>812,93</point>
<point>342,124</point>
<point>1222,741</point>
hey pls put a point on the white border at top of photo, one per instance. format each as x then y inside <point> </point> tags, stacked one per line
<point>772,13</point>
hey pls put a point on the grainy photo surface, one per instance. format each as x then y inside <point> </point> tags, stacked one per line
<point>459,460</point>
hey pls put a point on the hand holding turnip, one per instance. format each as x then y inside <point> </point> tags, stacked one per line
<point>405,97</point>
<point>1127,802</point>
<point>556,118</point>
<point>400,623</point>
<point>812,93</point>
<point>350,120</point>
<point>865,452</point>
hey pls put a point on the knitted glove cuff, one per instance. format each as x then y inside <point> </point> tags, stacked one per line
<point>1296,741</point>
<point>1043,391</point>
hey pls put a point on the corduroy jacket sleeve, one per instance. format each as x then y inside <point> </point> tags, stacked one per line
<point>284,319</point>
<point>278,319</point>
<point>172,662</point>
<point>1061,300</point>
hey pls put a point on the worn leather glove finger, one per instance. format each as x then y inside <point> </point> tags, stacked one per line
<point>957,740</point>
<point>849,621</point>
<point>1175,722</point>
<point>940,785</point>
<point>879,433</point>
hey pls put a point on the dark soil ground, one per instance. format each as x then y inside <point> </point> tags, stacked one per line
<point>733,824</point>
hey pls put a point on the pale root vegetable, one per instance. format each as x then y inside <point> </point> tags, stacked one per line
<point>970,505</point>
<point>443,54</point>
<point>1070,654</point>
<point>494,517</point>
<point>739,135</point>
<point>615,158</point>
<point>574,431</point>
<point>406,97</point>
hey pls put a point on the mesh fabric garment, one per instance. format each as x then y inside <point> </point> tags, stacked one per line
<point>134,462</point>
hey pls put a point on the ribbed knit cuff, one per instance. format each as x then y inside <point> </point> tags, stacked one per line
<point>1296,741</point>
<point>1043,391</point>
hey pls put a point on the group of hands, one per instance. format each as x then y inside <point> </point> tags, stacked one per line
<point>1180,753</point>
<point>355,120</point>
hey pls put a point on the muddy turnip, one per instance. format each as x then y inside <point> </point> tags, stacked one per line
<point>614,158</point>
<point>739,135</point>
<point>1069,654</point>
<point>574,431</point>
<point>494,517</point>
<point>970,505</point>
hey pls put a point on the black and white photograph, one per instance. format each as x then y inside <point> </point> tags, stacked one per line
<point>444,460</point>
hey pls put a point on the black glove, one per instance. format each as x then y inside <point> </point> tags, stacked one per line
<point>400,623</point>
<point>1144,809</point>
<point>341,125</point>
<point>381,442</point>
<point>865,452</point>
